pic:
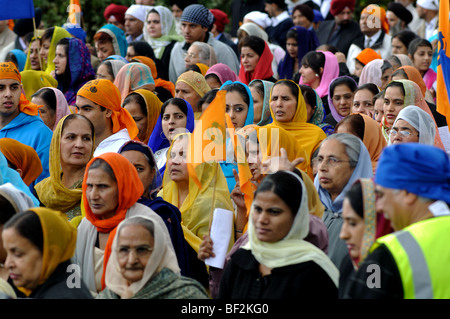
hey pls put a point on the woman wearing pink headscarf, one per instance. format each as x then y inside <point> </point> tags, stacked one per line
<point>218,74</point>
<point>54,105</point>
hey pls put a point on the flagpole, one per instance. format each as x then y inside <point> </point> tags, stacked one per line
<point>36,38</point>
<point>211,213</point>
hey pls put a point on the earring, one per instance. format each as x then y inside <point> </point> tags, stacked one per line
<point>317,75</point>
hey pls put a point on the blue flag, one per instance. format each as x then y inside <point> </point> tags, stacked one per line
<point>16,9</point>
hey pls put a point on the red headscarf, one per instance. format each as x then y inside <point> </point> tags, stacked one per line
<point>263,69</point>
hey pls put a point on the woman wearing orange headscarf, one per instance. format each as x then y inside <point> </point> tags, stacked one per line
<point>104,208</point>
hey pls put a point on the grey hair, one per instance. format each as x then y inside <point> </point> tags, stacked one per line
<point>352,145</point>
<point>206,54</point>
<point>138,220</point>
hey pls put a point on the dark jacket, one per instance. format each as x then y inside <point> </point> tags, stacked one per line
<point>277,34</point>
<point>343,38</point>
<point>242,280</point>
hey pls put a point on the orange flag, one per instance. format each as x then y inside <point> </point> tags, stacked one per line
<point>74,10</point>
<point>208,140</point>
<point>443,68</point>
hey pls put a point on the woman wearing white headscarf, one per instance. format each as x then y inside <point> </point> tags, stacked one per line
<point>418,125</point>
<point>159,276</point>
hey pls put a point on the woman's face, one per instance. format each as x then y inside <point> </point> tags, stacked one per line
<point>362,103</point>
<point>45,47</point>
<point>24,259</point>
<point>292,48</point>
<point>154,25</point>
<point>398,47</point>
<point>60,60</point>
<point>405,133</point>
<point>102,193</point>
<point>309,111</point>
<point>45,112</point>
<point>342,99</point>
<point>103,73</point>
<point>131,53</point>
<point>358,69</point>
<point>386,78</point>
<point>393,103</point>
<point>309,75</point>
<point>271,217</point>
<point>76,143</point>
<point>213,82</point>
<point>258,105</point>
<point>176,164</point>
<point>145,172</point>
<point>135,110</point>
<point>352,231</point>
<point>185,92</point>
<point>34,55</point>
<point>104,49</point>
<point>236,108</point>
<point>254,160</point>
<point>249,59</point>
<point>378,111</point>
<point>192,56</point>
<point>283,103</point>
<point>134,249</point>
<point>422,58</point>
<point>334,170</point>
<point>174,121</point>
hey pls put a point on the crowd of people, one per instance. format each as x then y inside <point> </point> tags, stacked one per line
<point>343,192</point>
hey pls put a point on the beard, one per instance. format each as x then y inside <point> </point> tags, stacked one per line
<point>396,29</point>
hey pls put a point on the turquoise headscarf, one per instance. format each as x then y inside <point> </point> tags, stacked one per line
<point>266,116</point>
<point>120,43</point>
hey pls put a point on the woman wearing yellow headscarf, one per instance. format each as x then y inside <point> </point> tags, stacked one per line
<point>49,40</point>
<point>33,80</point>
<point>71,149</point>
<point>48,240</point>
<point>191,86</point>
<point>291,115</point>
<point>144,106</point>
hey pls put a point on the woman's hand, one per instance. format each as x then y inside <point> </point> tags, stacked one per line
<point>280,163</point>
<point>236,194</point>
<point>206,249</point>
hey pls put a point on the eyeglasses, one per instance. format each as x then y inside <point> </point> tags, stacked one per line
<point>190,55</point>
<point>406,134</point>
<point>140,251</point>
<point>330,161</point>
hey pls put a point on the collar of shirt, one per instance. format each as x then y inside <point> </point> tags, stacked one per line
<point>373,38</point>
<point>282,16</point>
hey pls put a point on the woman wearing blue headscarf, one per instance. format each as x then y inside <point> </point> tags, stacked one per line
<point>110,40</point>
<point>177,116</point>
<point>342,159</point>
<point>239,105</point>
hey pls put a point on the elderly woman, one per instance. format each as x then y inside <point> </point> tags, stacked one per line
<point>143,243</point>
<point>342,159</point>
<point>71,149</point>
<point>191,86</point>
<point>111,188</point>
<point>200,52</point>
<point>412,125</point>
<point>46,241</point>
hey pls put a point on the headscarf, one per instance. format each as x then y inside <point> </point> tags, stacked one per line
<point>163,256</point>
<point>367,55</point>
<point>168,31</point>
<point>404,59</point>
<point>196,208</point>
<point>22,156</point>
<point>379,13</point>
<point>363,169</point>
<point>116,10</point>
<point>133,76</point>
<point>263,69</point>
<point>62,108</point>
<point>307,134</point>
<point>413,96</point>
<point>129,190</point>
<point>223,72</point>
<point>17,198</point>
<point>253,29</point>
<point>196,81</point>
<point>153,105</point>
<point>421,121</point>
<point>33,80</point>
<point>266,115</point>
<point>80,69</point>
<point>373,139</point>
<point>371,73</point>
<point>8,70</point>
<point>202,67</point>
<point>116,57</point>
<point>21,58</point>
<point>250,113</point>
<point>337,6</point>
<point>9,175</point>
<point>34,38</point>
<point>105,93</point>
<point>58,34</point>
<point>116,65</point>
<point>330,72</point>
<point>59,242</point>
<point>51,190</point>
<point>306,41</point>
<point>429,78</point>
<point>292,249</point>
<point>318,117</point>
<point>418,168</point>
<point>333,110</point>
<point>169,86</point>
<point>414,75</point>
<point>119,41</point>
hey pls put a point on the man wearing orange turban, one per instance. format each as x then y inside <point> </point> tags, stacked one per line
<point>99,100</point>
<point>375,27</point>
<point>19,118</point>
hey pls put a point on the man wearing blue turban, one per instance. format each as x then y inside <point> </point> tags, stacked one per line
<point>413,192</point>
